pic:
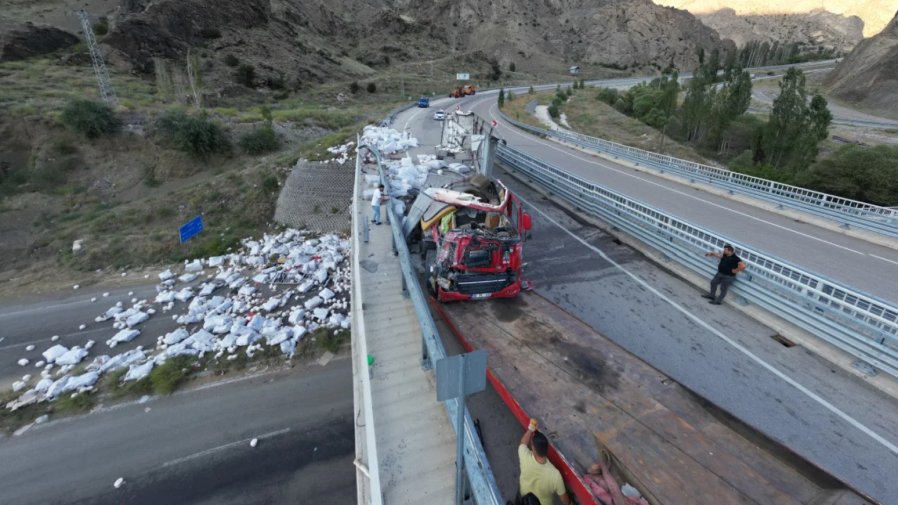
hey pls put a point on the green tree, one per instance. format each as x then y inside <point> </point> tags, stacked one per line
<point>670,87</point>
<point>791,136</point>
<point>700,95</point>
<point>730,102</point>
<point>511,67</point>
<point>531,91</point>
<point>371,87</point>
<point>868,174</point>
<point>582,83</point>
<point>90,117</point>
<point>196,135</point>
<point>714,64</point>
<point>246,74</point>
<point>501,97</point>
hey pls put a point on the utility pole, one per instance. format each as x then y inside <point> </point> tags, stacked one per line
<point>103,79</point>
<point>431,65</point>
<point>402,81</point>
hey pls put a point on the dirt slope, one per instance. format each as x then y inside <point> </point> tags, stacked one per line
<point>869,75</point>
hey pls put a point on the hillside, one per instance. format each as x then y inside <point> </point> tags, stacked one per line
<point>817,28</point>
<point>796,19</point>
<point>869,75</point>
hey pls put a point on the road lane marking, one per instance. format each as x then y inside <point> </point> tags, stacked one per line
<point>884,259</point>
<point>835,410</point>
<point>80,333</point>
<point>531,137</point>
<point>223,447</point>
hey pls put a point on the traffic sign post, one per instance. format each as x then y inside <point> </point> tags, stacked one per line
<point>457,377</point>
<point>193,227</point>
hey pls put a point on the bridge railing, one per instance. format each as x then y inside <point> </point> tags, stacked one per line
<point>848,212</point>
<point>479,472</point>
<point>858,323</point>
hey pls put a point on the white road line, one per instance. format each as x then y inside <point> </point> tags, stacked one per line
<point>223,447</point>
<point>547,144</point>
<point>80,333</point>
<point>872,434</point>
<point>881,258</point>
<point>27,311</point>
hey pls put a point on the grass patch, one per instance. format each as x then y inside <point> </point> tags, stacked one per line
<point>327,341</point>
<point>168,376</point>
<point>73,403</point>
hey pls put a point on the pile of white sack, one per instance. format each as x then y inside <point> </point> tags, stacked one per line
<point>308,282</point>
<point>342,152</point>
<point>388,140</point>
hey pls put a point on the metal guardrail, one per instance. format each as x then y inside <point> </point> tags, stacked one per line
<point>849,212</point>
<point>480,475</point>
<point>858,323</point>
<point>358,326</point>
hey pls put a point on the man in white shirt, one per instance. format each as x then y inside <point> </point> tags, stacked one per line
<point>376,200</point>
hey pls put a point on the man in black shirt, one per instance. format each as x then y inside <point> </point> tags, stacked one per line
<point>729,266</point>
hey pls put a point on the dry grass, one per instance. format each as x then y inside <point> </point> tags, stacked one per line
<point>589,116</point>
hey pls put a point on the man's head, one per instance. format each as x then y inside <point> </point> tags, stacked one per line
<point>540,444</point>
<point>728,250</point>
<point>530,499</point>
<point>380,187</point>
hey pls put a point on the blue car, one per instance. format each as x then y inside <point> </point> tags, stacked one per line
<point>424,102</point>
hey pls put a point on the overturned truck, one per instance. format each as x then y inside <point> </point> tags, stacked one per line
<point>471,234</point>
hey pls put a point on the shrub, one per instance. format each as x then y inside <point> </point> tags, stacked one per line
<point>511,67</point>
<point>557,102</point>
<point>868,174</point>
<point>582,83</point>
<point>101,27</point>
<point>562,96</point>
<point>246,74</point>
<point>210,33</point>
<point>269,183</point>
<point>260,141</point>
<point>354,87</point>
<point>608,95</point>
<point>89,117</point>
<point>231,60</point>
<point>371,87</point>
<point>531,91</point>
<point>195,135</point>
<point>553,110</point>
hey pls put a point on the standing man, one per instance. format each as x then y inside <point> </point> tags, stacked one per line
<point>376,200</point>
<point>538,475</point>
<point>729,266</point>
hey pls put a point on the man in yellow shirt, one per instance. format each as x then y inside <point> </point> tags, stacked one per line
<point>538,475</point>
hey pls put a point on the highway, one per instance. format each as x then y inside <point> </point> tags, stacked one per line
<point>832,418</point>
<point>865,266</point>
<point>194,447</point>
<point>841,115</point>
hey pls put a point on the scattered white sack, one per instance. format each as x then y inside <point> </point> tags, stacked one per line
<point>123,336</point>
<point>72,357</point>
<point>137,372</point>
<point>130,293</point>
<point>246,290</point>
<point>137,319</point>
<point>82,381</point>
<point>39,364</point>
<point>313,302</point>
<point>18,386</point>
<point>305,286</point>
<point>26,378</point>
<point>29,348</point>
<point>271,304</point>
<point>109,314</point>
<point>89,344</point>
<point>216,261</point>
<point>195,266</point>
<point>43,385</point>
<point>76,286</point>
<point>54,352</point>
<point>628,490</point>
<point>124,274</point>
<point>176,336</point>
<point>326,294</point>
<point>93,299</point>
<point>42,419</point>
<point>164,276</point>
<point>254,442</point>
<point>187,278</point>
<point>321,314</point>
<point>105,295</point>
<point>165,297</point>
<point>118,483</point>
<point>54,338</point>
<point>82,327</point>
<point>184,295</point>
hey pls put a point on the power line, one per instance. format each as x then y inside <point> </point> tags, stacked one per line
<point>103,79</point>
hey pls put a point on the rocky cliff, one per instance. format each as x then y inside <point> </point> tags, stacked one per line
<point>875,14</point>
<point>869,75</point>
<point>817,28</point>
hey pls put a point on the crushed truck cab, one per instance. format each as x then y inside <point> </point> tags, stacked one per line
<point>472,231</point>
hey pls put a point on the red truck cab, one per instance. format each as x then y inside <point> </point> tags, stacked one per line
<point>473,233</point>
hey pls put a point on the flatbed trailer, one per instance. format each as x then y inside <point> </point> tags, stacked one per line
<point>590,395</point>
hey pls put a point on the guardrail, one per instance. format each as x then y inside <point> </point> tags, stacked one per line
<point>358,327</point>
<point>480,475</point>
<point>858,323</point>
<point>844,210</point>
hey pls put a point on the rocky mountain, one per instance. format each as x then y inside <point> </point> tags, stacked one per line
<point>310,41</point>
<point>869,75</point>
<point>825,20</point>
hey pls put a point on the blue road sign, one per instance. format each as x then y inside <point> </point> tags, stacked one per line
<point>190,229</point>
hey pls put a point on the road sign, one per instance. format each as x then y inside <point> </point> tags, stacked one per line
<point>471,367</point>
<point>190,229</point>
<point>495,123</point>
<point>462,77</point>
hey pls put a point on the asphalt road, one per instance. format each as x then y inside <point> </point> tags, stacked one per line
<point>832,418</point>
<point>841,115</point>
<point>194,447</point>
<point>865,266</point>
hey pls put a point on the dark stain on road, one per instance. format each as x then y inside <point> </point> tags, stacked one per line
<point>507,310</point>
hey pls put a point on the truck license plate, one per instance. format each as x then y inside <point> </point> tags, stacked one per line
<point>481,296</point>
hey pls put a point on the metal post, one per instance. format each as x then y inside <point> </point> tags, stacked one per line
<point>402,81</point>
<point>425,358</point>
<point>460,439</point>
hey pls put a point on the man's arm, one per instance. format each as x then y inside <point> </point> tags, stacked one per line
<point>740,267</point>
<point>528,435</point>
<point>565,498</point>
<point>716,255</point>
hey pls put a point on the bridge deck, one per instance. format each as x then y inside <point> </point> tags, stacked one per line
<point>415,442</point>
